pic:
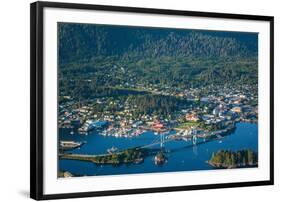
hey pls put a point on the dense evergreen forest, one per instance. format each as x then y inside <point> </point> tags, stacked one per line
<point>157,104</point>
<point>84,41</point>
<point>230,159</point>
<point>108,56</point>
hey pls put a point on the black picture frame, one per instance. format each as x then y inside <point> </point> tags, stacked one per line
<point>37,99</point>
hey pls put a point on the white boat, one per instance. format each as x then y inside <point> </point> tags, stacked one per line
<point>112,150</point>
<point>64,144</point>
<point>104,133</point>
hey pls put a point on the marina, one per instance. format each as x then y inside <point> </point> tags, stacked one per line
<point>162,100</point>
<point>180,155</point>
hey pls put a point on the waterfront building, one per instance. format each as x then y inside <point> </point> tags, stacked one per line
<point>191,117</point>
<point>237,109</point>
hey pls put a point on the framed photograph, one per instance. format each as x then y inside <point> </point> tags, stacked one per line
<point>136,100</point>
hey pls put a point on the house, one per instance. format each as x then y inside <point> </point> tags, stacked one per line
<point>191,117</point>
<point>157,125</point>
<point>237,109</point>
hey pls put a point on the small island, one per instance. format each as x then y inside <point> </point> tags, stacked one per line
<point>230,159</point>
<point>160,158</point>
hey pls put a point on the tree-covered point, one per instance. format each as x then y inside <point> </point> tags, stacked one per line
<point>133,155</point>
<point>128,156</point>
<point>231,159</point>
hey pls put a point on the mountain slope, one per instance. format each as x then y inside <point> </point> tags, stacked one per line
<point>80,41</point>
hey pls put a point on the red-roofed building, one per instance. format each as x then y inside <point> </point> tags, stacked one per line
<point>191,117</point>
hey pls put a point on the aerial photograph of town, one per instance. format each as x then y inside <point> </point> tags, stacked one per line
<point>134,100</point>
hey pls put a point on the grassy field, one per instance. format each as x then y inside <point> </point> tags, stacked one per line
<point>188,124</point>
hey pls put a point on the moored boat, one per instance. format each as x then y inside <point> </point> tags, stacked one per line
<point>112,150</point>
<point>66,145</point>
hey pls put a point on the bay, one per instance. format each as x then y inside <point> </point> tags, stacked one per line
<point>181,155</point>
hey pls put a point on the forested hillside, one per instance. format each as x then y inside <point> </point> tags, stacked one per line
<point>115,55</point>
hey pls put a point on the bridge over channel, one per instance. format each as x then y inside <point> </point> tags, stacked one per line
<point>159,140</point>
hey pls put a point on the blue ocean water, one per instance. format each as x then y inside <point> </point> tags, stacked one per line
<point>181,156</point>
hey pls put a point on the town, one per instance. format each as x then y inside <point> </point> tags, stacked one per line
<point>161,100</point>
<point>208,109</point>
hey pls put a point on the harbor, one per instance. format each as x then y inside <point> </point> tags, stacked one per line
<point>179,155</point>
<point>162,100</point>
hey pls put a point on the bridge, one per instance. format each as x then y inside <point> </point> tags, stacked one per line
<point>159,140</point>
<point>193,137</point>
<point>163,140</point>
